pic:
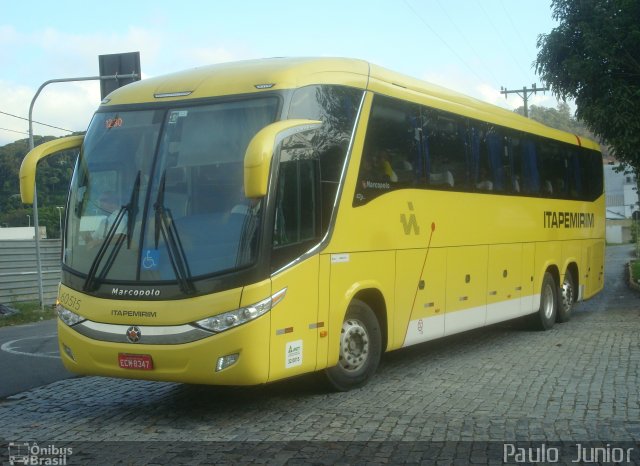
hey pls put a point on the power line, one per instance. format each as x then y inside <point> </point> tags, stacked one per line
<point>513,25</point>
<point>504,43</point>
<point>461,34</point>
<point>14,131</point>
<point>451,49</point>
<point>43,124</point>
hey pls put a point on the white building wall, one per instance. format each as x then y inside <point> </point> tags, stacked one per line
<point>621,193</point>
<point>21,233</point>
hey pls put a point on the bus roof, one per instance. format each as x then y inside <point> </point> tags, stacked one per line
<point>253,76</point>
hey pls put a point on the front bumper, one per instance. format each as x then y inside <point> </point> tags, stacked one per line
<point>192,362</point>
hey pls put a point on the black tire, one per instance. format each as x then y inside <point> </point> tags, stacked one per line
<point>547,313</point>
<point>360,349</point>
<point>567,297</point>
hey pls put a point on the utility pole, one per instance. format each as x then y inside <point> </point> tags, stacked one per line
<point>524,94</point>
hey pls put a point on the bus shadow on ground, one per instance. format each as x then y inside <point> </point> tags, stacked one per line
<point>314,385</point>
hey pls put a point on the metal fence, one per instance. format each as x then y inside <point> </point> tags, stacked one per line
<point>18,270</point>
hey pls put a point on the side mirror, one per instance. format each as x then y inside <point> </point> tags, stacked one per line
<point>30,161</point>
<point>257,158</point>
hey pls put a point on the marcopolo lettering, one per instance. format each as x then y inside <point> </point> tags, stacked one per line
<point>121,313</point>
<point>375,185</point>
<point>568,219</point>
<point>136,293</point>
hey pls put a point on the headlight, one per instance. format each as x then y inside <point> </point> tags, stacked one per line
<point>68,317</point>
<point>231,319</point>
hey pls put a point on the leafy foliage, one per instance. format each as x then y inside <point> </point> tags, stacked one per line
<point>593,56</point>
<point>52,179</point>
<point>558,118</point>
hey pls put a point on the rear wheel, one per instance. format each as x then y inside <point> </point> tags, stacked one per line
<point>567,298</point>
<point>546,315</point>
<point>360,348</point>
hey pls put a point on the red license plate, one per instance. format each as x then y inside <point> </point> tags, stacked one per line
<point>141,362</point>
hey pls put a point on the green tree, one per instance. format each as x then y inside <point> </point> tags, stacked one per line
<point>52,178</point>
<point>593,56</point>
<point>558,118</point>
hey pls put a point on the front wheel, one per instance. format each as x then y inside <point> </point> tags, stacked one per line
<point>360,348</point>
<point>546,315</point>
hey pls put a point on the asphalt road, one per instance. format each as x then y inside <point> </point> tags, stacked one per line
<point>29,357</point>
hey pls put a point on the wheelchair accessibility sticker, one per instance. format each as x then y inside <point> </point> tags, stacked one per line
<point>151,259</point>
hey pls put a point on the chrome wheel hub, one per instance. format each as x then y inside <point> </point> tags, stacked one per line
<point>567,295</point>
<point>547,302</point>
<point>354,345</point>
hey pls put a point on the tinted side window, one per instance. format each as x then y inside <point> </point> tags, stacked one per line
<point>412,146</point>
<point>448,153</point>
<point>524,159</point>
<point>337,108</point>
<point>594,173</point>
<point>297,214</point>
<point>392,156</point>
<point>490,165</point>
<point>577,174</point>
<point>553,169</point>
<point>585,174</point>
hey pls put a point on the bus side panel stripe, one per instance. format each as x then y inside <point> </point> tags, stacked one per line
<point>431,328</point>
<point>426,329</point>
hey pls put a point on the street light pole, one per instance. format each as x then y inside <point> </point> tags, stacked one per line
<point>31,146</point>
<point>60,208</point>
<point>29,219</point>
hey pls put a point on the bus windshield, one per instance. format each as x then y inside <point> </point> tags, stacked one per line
<point>157,195</point>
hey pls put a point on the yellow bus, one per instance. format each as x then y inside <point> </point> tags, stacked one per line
<point>249,222</point>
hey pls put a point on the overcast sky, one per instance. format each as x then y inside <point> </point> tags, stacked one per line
<point>471,46</point>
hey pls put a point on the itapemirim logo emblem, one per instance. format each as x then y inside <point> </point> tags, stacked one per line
<point>411,223</point>
<point>30,453</point>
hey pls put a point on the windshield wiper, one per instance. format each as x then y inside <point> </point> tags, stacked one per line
<point>165,225</point>
<point>130,210</point>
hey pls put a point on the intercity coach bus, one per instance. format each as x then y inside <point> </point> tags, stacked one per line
<point>248,222</point>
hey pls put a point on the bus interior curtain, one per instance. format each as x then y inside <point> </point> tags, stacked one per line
<point>474,143</point>
<point>420,153</point>
<point>462,136</point>
<point>515,176</point>
<point>424,161</point>
<point>494,144</point>
<point>531,175</point>
<point>576,184</point>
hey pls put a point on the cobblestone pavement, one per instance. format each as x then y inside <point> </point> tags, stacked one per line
<point>451,400</point>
